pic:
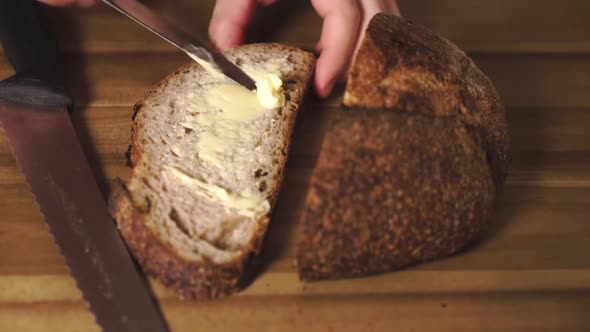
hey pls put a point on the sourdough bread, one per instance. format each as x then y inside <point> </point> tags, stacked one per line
<point>207,168</point>
<point>410,169</point>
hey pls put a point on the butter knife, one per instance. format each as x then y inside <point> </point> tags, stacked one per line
<point>192,46</point>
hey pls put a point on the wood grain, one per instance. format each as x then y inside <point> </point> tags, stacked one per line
<point>506,26</point>
<point>530,272</point>
<point>524,80</point>
<point>529,311</point>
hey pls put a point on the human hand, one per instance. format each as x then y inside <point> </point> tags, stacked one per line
<point>344,21</point>
<point>81,3</point>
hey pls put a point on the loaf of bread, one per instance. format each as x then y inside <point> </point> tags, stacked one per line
<point>207,167</point>
<point>410,168</point>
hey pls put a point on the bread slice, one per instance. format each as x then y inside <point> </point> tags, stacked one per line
<point>410,169</point>
<point>192,223</point>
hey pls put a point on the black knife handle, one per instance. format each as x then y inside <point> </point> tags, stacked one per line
<point>31,49</point>
<point>25,35</point>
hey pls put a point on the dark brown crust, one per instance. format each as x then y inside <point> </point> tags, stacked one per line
<point>403,64</point>
<point>190,279</point>
<point>413,175</point>
<point>391,189</point>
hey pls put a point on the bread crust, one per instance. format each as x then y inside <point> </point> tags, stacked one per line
<point>405,65</point>
<point>380,199</point>
<point>189,278</point>
<point>410,170</point>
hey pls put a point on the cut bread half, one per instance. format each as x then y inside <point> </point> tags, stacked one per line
<point>208,162</point>
<point>410,170</point>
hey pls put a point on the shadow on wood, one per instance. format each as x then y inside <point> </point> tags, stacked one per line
<point>512,196</point>
<point>267,20</point>
<point>75,72</point>
<point>310,129</point>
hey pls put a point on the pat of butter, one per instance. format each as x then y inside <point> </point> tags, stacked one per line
<point>269,89</point>
<point>246,203</point>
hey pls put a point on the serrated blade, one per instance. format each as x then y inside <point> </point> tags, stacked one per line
<point>45,146</point>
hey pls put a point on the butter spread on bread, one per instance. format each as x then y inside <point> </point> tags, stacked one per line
<point>226,117</point>
<point>268,81</point>
<point>208,160</point>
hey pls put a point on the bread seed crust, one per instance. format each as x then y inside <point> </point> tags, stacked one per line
<point>409,170</point>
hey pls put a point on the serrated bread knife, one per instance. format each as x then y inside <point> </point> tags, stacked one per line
<point>192,46</point>
<point>35,121</point>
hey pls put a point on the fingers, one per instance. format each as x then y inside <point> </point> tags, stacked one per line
<point>390,7</point>
<point>372,7</point>
<point>393,8</point>
<point>229,20</point>
<point>344,24</point>
<point>81,3</point>
<point>337,42</point>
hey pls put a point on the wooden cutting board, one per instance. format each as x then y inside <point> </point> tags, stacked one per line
<point>530,273</point>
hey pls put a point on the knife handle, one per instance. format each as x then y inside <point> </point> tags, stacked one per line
<point>25,35</point>
<point>31,49</point>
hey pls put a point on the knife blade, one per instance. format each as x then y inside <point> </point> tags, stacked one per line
<point>192,46</point>
<point>36,123</point>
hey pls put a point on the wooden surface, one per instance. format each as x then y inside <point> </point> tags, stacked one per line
<point>530,273</point>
